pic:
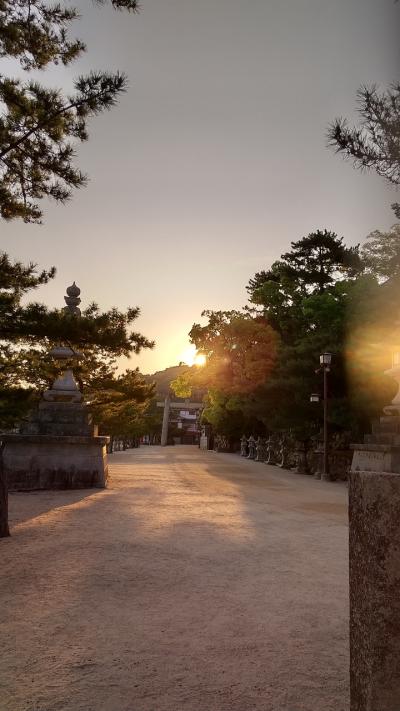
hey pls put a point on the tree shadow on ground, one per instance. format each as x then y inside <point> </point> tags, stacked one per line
<point>187,594</point>
<point>26,505</point>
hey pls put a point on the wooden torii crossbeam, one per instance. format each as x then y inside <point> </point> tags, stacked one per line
<point>168,405</point>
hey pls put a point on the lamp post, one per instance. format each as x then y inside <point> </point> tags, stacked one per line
<point>325,360</point>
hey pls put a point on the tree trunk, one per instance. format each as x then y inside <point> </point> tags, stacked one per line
<point>4,530</point>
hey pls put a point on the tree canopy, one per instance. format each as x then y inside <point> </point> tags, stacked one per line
<point>39,126</point>
<point>29,331</point>
<point>319,296</point>
<point>381,253</point>
<point>313,266</point>
<point>240,351</point>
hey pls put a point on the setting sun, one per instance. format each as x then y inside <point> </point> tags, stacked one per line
<point>191,357</point>
<point>200,359</point>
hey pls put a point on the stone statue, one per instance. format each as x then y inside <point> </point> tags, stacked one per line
<point>243,446</point>
<point>252,447</point>
<point>259,450</point>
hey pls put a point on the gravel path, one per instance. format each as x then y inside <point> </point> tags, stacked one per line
<point>196,582</point>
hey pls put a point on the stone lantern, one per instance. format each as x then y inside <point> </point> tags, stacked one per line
<point>58,447</point>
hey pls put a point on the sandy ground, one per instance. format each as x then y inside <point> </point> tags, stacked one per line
<point>196,582</point>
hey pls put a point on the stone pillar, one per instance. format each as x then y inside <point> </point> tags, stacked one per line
<point>164,431</point>
<point>374,517</point>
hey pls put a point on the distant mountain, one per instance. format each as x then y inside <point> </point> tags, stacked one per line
<point>163,378</point>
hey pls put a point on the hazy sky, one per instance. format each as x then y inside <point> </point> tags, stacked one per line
<point>216,159</point>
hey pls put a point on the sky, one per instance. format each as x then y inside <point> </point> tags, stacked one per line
<point>216,158</point>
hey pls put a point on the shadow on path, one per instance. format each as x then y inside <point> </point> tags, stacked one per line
<point>193,583</point>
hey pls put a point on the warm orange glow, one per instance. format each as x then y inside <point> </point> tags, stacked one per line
<point>200,359</point>
<point>191,357</point>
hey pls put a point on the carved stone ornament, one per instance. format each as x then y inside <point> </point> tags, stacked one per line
<point>64,388</point>
<point>72,300</point>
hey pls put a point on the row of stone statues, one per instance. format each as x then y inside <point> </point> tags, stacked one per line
<point>273,450</point>
<point>285,451</point>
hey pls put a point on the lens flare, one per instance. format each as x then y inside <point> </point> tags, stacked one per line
<point>200,359</point>
<point>191,357</point>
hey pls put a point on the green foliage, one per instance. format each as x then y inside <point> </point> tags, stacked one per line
<point>28,332</point>
<point>164,378</point>
<point>39,127</point>
<point>182,386</point>
<point>320,296</point>
<point>240,351</point>
<point>151,420</point>
<point>118,402</point>
<point>230,415</point>
<point>381,253</point>
<point>313,266</point>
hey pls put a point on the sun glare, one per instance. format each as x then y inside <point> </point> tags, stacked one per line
<point>200,359</point>
<point>191,357</point>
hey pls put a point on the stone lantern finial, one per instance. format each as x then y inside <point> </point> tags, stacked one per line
<point>72,300</point>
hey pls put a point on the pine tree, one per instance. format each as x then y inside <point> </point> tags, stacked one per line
<point>381,253</point>
<point>118,403</point>
<point>29,331</point>
<point>39,127</point>
<point>375,143</point>
<point>314,265</point>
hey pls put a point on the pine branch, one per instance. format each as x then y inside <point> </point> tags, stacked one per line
<point>35,139</point>
<point>93,101</point>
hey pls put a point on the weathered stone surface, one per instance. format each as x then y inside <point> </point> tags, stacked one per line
<point>55,462</point>
<point>60,418</point>
<point>374,517</point>
<point>376,458</point>
<point>380,451</point>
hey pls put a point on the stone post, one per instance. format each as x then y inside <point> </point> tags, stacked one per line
<point>374,517</point>
<point>4,530</point>
<point>164,431</point>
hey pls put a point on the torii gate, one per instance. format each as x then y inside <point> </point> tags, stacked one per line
<point>167,405</point>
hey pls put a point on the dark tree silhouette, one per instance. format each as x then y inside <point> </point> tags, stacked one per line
<point>375,143</point>
<point>39,127</point>
<point>29,330</point>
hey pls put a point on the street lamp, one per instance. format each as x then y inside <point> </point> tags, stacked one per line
<point>325,360</point>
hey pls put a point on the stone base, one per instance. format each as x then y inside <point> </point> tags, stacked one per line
<point>54,462</point>
<point>60,418</point>
<point>374,515</point>
<point>380,451</point>
<point>376,458</point>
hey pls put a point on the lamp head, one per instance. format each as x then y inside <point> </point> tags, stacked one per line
<point>325,358</point>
